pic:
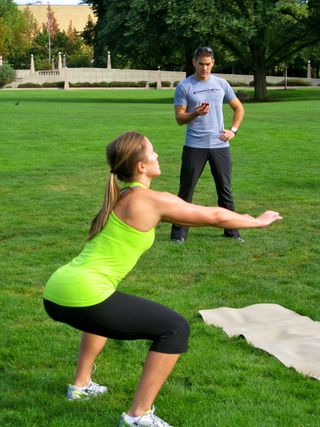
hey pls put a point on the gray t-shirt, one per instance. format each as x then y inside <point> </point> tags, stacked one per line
<point>204,131</point>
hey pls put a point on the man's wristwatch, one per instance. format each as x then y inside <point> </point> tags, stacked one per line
<point>234,130</point>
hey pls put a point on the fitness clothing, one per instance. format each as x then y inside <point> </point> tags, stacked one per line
<point>204,131</point>
<point>83,293</point>
<point>193,163</point>
<point>128,317</point>
<point>203,143</point>
<point>94,275</point>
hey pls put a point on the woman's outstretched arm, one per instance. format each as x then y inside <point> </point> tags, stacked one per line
<point>175,210</point>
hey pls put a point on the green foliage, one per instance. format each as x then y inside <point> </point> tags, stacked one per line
<point>15,30</point>
<point>264,33</point>
<point>79,60</point>
<point>88,33</point>
<point>291,82</point>
<point>144,34</point>
<point>53,84</point>
<point>254,35</point>
<point>143,83</point>
<point>237,84</point>
<point>7,74</point>
<point>20,36</point>
<point>71,45</point>
<point>28,85</point>
<point>53,172</point>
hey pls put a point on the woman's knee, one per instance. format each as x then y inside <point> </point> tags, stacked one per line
<point>180,335</point>
<point>183,328</point>
<point>175,339</point>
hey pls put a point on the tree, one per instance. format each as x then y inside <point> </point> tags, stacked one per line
<point>51,25</point>
<point>264,33</point>
<point>89,31</point>
<point>70,44</point>
<point>147,34</point>
<point>16,29</point>
<point>7,75</point>
<point>259,33</point>
<point>20,37</point>
<point>298,65</point>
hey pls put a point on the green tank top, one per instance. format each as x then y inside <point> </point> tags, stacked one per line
<point>95,273</point>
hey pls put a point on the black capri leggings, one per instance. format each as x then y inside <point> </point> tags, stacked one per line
<point>127,317</point>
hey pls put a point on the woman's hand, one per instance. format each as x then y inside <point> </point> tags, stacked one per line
<point>268,218</point>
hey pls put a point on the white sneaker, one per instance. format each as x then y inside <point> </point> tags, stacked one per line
<point>148,420</point>
<point>90,390</point>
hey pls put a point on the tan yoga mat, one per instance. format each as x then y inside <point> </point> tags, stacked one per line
<point>288,336</point>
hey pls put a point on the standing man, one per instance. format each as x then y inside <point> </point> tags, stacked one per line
<point>198,103</point>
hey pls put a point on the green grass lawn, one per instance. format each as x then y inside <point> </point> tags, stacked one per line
<point>52,181</point>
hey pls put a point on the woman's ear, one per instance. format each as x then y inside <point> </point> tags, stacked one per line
<point>140,168</point>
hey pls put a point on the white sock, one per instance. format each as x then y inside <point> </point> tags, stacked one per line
<point>132,419</point>
<point>83,387</point>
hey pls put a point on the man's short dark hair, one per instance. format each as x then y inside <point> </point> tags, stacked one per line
<point>203,51</point>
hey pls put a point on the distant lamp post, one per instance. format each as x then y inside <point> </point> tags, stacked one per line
<point>309,70</point>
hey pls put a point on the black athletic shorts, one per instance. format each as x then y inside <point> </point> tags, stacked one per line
<point>127,317</point>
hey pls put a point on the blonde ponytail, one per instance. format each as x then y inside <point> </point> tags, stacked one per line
<point>123,154</point>
<point>111,196</point>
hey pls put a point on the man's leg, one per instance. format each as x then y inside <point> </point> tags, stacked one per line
<point>221,170</point>
<point>193,163</point>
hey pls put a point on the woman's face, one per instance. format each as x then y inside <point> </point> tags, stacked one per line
<point>151,161</point>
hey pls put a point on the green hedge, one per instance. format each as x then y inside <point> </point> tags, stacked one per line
<point>237,84</point>
<point>53,84</point>
<point>114,84</point>
<point>7,74</point>
<point>28,85</point>
<point>290,82</point>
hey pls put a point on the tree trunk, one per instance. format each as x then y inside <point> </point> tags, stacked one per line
<point>260,84</point>
<point>189,51</point>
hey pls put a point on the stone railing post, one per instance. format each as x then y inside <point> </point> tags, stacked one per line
<point>309,70</point>
<point>66,81</point>
<point>59,60</point>
<point>159,86</point>
<point>32,69</point>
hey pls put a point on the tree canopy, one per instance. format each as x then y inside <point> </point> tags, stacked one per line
<point>250,36</point>
<point>258,34</point>
<point>20,37</point>
<point>16,29</point>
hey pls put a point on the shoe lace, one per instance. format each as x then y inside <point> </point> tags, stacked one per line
<point>154,420</point>
<point>93,387</point>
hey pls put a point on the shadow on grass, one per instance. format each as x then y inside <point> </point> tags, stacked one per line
<point>89,99</point>
<point>274,95</point>
<point>285,95</point>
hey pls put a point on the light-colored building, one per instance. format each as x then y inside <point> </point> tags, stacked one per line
<point>77,14</point>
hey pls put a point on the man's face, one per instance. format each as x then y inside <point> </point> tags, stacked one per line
<point>203,66</point>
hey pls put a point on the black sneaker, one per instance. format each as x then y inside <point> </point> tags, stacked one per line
<point>237,238</point>
<point>178,241</point>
